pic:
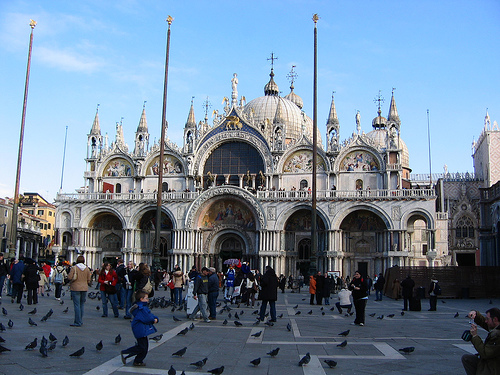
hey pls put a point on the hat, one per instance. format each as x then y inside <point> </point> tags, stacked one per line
<point>211,269</point>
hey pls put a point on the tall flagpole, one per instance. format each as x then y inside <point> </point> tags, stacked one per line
<point>64,157</point>
<point>429,141</point>
<point>156,249</point>
<point>13,251</point>
<point>314,237</point>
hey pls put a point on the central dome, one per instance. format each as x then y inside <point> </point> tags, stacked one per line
<point>380,137</point>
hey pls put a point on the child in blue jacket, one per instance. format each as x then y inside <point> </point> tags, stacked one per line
<point>142,326</point>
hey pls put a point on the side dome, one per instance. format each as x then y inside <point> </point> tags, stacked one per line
<point>294,98</point>
<point>380,138</point>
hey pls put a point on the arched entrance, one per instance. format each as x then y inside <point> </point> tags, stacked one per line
<point>230,246</point>
<point>147,226</point>
<point>108,236</point>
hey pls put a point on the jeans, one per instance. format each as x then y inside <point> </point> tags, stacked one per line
<point>58,289</point>
<point>378,295</point>
<point>32,296</point>
<point>140,350</point>
<point>433,303</point>
<point>327,300</point>
<point>129,293</point>
<point>17,291</point>
<point>212,303</point>
<point>272,308</point>
<point>470,362</point>
<point>78,303</point>
<point>178,296</point>
<point>119,295</point>
<point>202,306</point>
<point>2,281</point>
<point>114,303</point>
<point>339,307</point>
<point>360,306</point>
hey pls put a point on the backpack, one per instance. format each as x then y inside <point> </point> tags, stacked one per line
<point>437,289</point>
<point>58,278</point>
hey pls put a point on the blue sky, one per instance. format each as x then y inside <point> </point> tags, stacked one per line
<point>439,55</point>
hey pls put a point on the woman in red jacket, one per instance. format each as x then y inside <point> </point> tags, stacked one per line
<point>108,279</point>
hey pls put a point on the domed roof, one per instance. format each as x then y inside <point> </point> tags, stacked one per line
<point>380,139</point>
<point>293,97</point>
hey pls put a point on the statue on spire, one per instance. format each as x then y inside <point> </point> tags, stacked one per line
<point>234,95</point>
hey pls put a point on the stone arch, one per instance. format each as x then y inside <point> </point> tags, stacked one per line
<point>424,214</point>
<point>66,219</point>
<point>117,165</point>
<point>90,217</point>
<point>363,159</point>
<point>339,218</point>
<point>286,214</point>
<point>174,165</point>
<point>134,221</point>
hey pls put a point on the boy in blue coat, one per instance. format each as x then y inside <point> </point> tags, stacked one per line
<point>142,326</point>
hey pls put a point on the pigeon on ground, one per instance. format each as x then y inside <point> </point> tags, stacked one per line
<point>237,323</point>
<point>229,315</point>
<point>2,339</point>
<point>216,371</point>
<point>273,353</point>
<point>66,310</point>
<point>52,337</point>
<point>305,360</point>
<point>97,308</point>
<point>171,370</point>
<point>65,341</point>
<point>330,362</point>
<point>191,327</point>
<point>199,364</point>
<point>296,306</point>
<point>10,323</point>
<point>255,362</point>
<point>442,301</point>
<point>236,316</point>
<point>456,315</point>
<point>43,351</point>
<point>269,323</point>
<point>257,334</point>
<point>157,337</point>
<point>4,311</point>
<point>61,303</point>
<point>3,349</point>
<point>2,327</point>
<point>297,313</point>
<point>180,353</point>
<point>176,319</point>
<point>380,317</point>
<point>289,327</point>
<point>32,345</point>
<point>242,312</point>
<point>407,350</point>
<point>333,308</point>
<point>43,341</point>
<point>52,346</point>
<point>344,333</point>
<point>257,322</point>
<point>21,307</point>
<point>224,322</point>
<point>402,313</point>
<point>310,312</point>
<point>32,312</point>
<point>390,316</point>
<point>99,346</point>
<point>255,312</point>
<point>78,353</point>
<point>31,322</point>
<point>118,339</point>
<point>322,313</point>
<point>342,344</point>
<point>280,316</point>
<point>183,332</point>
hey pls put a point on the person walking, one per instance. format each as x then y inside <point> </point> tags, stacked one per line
<point>320,281</point>
<point>252,288</point>
<point>108,280</point>
<point>80,279</point>
<point>213,292</point>
<point>142,326</point>
<point>59,275</point>
<point>359,289</point>
<point>32,279</point>
<point>120,290</point>
<point>16,278</point>
<point>200,293</point>
<point>407,285</point>
<point>268,293</point>
<point>327,289</point>
<point>379,287</point>
<point>312,289</point>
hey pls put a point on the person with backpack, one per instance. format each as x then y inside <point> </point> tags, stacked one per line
<point>434,291</point>
<point>59,275</point>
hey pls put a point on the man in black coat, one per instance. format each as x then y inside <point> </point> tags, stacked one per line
<point>268,293</point>
<point>407,285</point>
<point>379,287</point>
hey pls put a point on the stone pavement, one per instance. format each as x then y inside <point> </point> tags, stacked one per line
<point>372,349</point>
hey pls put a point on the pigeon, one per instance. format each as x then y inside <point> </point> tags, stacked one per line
<point>43,341</point>
<point>289,327</point>
<point>333,308</point>
<point>98,346</point>
<point>257,334</point>
<point>322,313</point>
<point>4,311</point>
<point>297,313</point>
<point>273,353</point>
<point>44,318</point>
<point>330,362</point>
<point>216,371</point>
<point>296,306</point>
<point>31,322</point>
<point>456,315</point>
<point>43,351</point>
<point>52,337</point>
<point>237,323</point>
<point>199,364</point>
<point>310,312</point>
<point>3,349</point>
<point>2,327</point>
<point>229,315</point>
<point>52,346</point>
<point>118,339</point>
<point>2,339</point>
<point>442,301</point>
<point>171,370</point>
<point>305,360</point>
<point>61,303</point>
<point>65,341</point>
<point>280,316</point>
<point>257,322</point>
<point>255,312</point>
<point>224,322</point>
<point>269,323</point>
<point>180,353</point>
<point>321,308</point>
<point>78,353</point>
<point>491,302</point>
<point>191,327</point>
<point>344,333</point>
<point>390,316</point>
<point>380,317</point>
<point>10,323</point>
<point>183,332</point>
<point>176,319</point>
<point>66,310</point>
<point>342,344</point>
<point>173,309</point>
<point>32,312</point>
<point>21,307</point>
<point>402,313</point>
<point>407,350</point>
<point>255,362</point>
<point>157,337</point>
<point>32,345</point>
<point>236,316</point>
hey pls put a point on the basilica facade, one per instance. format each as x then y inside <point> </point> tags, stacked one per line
<point>240,187</point>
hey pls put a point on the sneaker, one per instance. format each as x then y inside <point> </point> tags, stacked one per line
<point>207,320</point>
<point>124,359</point>
<point>361,324</point>
<point>139,364</point>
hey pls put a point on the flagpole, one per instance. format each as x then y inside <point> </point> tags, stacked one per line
<point>64,157</point>
<point>314,237</point>
<point>159,191</point>
<point>13,250</point>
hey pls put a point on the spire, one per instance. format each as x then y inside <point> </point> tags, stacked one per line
<point>293,97</point>
<point>191,122</point>
<point>143,123</point>
<point>96,128</point>
<point>332,117</point>
<point>271,89</point>
<point>393,111</point>
<point>279,117</point>
<point>120,140</point>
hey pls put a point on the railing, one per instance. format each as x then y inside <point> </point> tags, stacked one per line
<point>490,193</point>
<point>393,167</point>
<point>170,196</point>
<point>348,194</point>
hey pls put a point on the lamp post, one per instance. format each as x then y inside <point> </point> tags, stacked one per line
<point>13,251</point>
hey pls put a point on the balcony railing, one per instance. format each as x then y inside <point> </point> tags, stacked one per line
<point>170,196</point>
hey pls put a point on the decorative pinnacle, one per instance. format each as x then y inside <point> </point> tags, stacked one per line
<point>292,76</point>
<point>315,18</point>
<point>272,58</point>
<point>32,24</point>
<point>379,99</point>
<point>144,104</point>
<point>169,20</point>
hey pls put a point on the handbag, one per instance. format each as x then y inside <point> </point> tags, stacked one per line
<point>109,289</point>
<point>148,287</point>
<point>171,284</point>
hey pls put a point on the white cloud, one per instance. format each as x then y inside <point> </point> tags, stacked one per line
<point>67,60</point>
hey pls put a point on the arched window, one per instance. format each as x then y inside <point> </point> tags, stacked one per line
<point>359,184</point>
<point>303,185</point>
<point>305,248</point>
<point>118,188</point>
<point>164,187</point>
<point>465,228</point>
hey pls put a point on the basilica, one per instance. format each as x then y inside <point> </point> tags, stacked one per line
<point>240,187</point>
